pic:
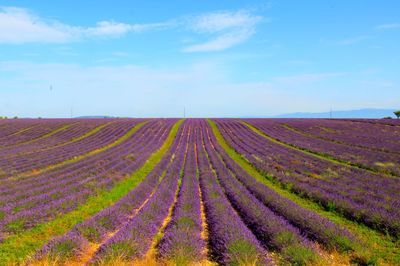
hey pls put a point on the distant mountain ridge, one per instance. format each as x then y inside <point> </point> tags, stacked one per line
<point>360,113</point>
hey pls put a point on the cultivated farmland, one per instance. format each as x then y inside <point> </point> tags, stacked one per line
<point>199,192</point>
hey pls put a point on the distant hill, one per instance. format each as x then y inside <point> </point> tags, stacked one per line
<point>361,113</point>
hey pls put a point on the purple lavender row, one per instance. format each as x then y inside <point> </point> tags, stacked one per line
<point>85,165</point>
<point>99,183</point>
<point>369,159</point>
<point>325,191</point>
<point>48,156</point>
<point>230,241</point>
<point>97,228</point>
<point>23,186</point>
<point>386,122</point>
<point>34,133</point>
<point>135,238</point>
<point>273,231</point>
<point>34,211</point>
<point>119,150</point>
<point>315,227</point>
<point>59,138</point>
<point>8,129</point>
<point>14,130</point>
<point>43,183</point>
<point>367,135</point>
<point>48,206</point>
<point>313,166</point>
<point>364,135</point>
<point>40,159</point>
<point>353,135</point>
<point>182,243</point>
<point>375,202</point>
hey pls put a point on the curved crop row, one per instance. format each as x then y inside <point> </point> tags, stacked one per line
<point>230,241</point>
<point>273,231</point>
<point>136,237</point>
<point>107,222</point>
<point>76,132</point>
<point>182,243</point>
<point>362,135</point>
<point>50,199</point>
<point>373,202</point>
<point>32,162</point>
<point>16,248</point>
<point>373,160</point>
<point>46,129</point>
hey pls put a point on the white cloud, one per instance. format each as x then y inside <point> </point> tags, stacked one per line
<point>226,29</point>
<point>388,26</point>
<point>354,40</point>
<point>218,30</point>
<point>110,28</point>
<point>220,21</point>
<point>18,25</point>
<point>221,42</point>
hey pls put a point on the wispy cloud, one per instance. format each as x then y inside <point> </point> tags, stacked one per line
<point>388,26</point>
<point>220,21</point>
<point>218,30</point>
<point>19,25</point>
<point>354,40</point>
<point>221,42</point>
<point>225,29</point>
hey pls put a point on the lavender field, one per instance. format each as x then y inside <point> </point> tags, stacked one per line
<point>199,192</point>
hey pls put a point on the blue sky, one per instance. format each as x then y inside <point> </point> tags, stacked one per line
<point>216,58</point>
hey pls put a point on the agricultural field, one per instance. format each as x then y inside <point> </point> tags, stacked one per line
<point>199,192</point>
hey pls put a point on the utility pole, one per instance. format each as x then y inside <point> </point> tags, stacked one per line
<point>184,112</point>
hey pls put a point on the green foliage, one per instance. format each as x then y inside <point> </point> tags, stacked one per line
<point>285,238</point>
<point>364,259</point>
<point>242,252</point>
<point>16,225</point>
<point>300,255</point>
<point>90,233</point>
<point>187,207</point>
<point>182,254</point>
<point>105,221</point>
<point>294,251</point>
<point>185,222</point>
<point>397,113</point>
<point>119,251</point>
<point>64,250</point>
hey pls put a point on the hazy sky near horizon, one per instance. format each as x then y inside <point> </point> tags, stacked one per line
<point>215,58</point>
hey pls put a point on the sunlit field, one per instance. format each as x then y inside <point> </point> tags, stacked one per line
<point>199,191</point>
